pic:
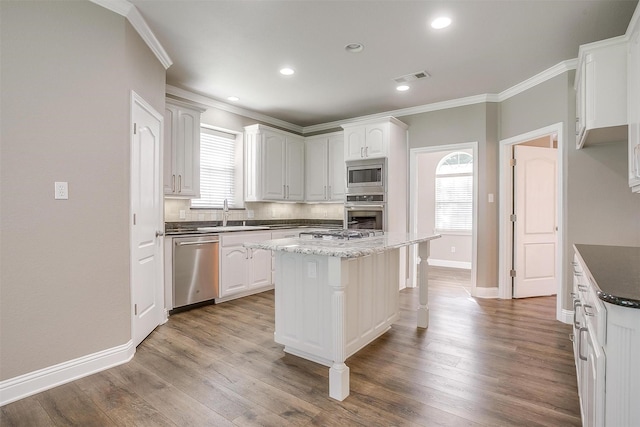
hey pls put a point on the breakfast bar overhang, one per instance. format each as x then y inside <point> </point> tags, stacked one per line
<point>333,297</point>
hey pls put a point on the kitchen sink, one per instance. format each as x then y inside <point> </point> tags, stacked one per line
<point>224,228</point>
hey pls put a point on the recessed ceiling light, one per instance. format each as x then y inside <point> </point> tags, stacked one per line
<point>286,71</point>
<point>402,88</point>
<point>233,98</point>
<point>441,22</point>
<point>354,47</point>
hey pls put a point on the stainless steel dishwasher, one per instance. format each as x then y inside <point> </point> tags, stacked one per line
<point>195,269</point>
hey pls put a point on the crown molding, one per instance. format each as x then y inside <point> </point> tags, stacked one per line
<point>129,11</point>
<point>212,103</point>
<point>539,78</point>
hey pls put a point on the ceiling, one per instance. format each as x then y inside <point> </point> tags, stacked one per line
<point>223,48</point>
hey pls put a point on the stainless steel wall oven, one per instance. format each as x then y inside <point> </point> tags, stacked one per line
<point>365,211</point>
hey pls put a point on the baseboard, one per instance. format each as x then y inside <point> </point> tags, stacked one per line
<point>485,292</point>
<point>450,264</point>
<point>34,382</point>
<point>566,316</point>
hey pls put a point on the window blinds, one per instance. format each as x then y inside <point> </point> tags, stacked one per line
<point>217,170</point>
<point>454,203</point>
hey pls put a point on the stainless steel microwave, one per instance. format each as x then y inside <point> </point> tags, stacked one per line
<point>366,176</point>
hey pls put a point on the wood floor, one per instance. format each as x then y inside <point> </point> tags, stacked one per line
<point>480,363</point>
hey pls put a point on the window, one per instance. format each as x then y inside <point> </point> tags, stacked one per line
<point>454,193</point>
<point>217,170</point>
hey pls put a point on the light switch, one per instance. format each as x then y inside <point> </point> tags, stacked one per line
<point>61,191</point>
<point>490,197</point>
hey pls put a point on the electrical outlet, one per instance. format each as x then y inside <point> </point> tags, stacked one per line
<point>250,214</point>
<point>61,191</point>
<point>453,249</point>
<point>183,214</point>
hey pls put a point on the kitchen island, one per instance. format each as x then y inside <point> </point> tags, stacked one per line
<point>334,296</point>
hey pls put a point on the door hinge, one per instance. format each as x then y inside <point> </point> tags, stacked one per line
<point>512,162</point>
<point>512,273</point>
<point>134,219</point>
<point>135,128</point>
<point>135,309</point>
<point>512,217</point>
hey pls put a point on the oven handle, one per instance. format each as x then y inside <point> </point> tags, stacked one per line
<point>363,207</point>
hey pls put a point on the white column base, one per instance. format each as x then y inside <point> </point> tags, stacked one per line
<point>423,317</point>
<point>339,381</point>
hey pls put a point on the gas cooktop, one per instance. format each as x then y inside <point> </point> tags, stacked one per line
<point>340,234</point>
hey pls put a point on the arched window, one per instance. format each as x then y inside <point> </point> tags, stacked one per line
<point>454,193</point>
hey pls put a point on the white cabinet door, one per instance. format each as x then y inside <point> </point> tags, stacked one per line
<point>633,108</point>
<point>336,168</point>
<point>260,268</point>
<point>294,169</point>
<point>354,142</point>
<point>233,270</point>
<point>273,166</point>
<point>181,169</point>
<point>376,140</point>
<point>316,168</point>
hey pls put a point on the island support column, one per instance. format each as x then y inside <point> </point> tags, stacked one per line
<point>339,371</point>
<point>423,285</point>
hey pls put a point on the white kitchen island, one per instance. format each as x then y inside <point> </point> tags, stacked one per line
<point>333,297</point>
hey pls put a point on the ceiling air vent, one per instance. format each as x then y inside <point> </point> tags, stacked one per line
<point>411,77</point>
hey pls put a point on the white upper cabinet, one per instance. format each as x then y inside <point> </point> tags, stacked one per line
<point>324,168</point>
<point>366,141</point>
<point>274,165</point>
<point>601,92</point>
<point>633,101</point>
<point>181,150</point>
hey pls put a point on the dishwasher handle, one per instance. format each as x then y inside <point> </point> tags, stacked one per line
<point>204,242</point>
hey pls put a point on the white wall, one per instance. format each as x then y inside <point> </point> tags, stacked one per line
<point>67,72</point>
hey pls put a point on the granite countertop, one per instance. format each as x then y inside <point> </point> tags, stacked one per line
<point>207,227</point>
<point>615,270</point>
<point>353,248</point>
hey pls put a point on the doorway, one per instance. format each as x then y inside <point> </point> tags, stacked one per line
<point>509,233</point>
<point>422,198</point>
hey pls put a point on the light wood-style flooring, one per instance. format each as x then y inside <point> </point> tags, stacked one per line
<point>481,362</point>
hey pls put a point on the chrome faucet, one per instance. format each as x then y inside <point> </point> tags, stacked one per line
<point>225,212</point>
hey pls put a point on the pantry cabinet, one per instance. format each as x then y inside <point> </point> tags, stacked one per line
<point>243,271</point>
<point>601,92</point>
<point>181,169</point>
<point>274,165</point>
<point>633,102</point>
<point>325,168</point>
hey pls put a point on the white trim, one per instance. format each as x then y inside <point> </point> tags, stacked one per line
<point>548,74</point>
<point>129,11</point>
<point>206,102</point>
<point>505,196</point>
<point>448,263</point>
<point>43,379</point>
<point>566,316</point>
<point>491,292</point>
<point>413,205</point>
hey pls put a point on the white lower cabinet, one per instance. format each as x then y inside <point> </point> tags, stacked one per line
<point>606,346</point>
<point>243,271</point>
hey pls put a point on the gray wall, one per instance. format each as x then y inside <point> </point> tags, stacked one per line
<point>67,72</point>
<point>472,123</point>
<point>599,206</point>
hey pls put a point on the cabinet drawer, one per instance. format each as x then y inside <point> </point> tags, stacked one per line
<point>237,239</point>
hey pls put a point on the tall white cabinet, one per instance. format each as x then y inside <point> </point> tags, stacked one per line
<point>367,140</point>
<point>325,173</point>
<point>633,100</point>
<point>181,169</point>
<point>274,165</point>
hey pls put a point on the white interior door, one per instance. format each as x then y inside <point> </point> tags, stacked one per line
<point>535,234</point>
<point>146,220</point>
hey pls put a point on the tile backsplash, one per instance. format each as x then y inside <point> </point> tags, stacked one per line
<point>264,211</point>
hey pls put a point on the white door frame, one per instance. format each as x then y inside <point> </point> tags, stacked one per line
<point>506,202</point>
<point>413,205</point>
<point>138,100</point>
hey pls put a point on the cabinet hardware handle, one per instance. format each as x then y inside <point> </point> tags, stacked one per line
<point>583,329</point>
<point>204,242</point>
<point>284,191</point>
<point>173,183</point>
<point>586,312</point>
<point>179,183</point>
<point>329,193</point>
<point>366,151</point>
<point>636,159</point>
<point>288,194</point>
<point>159,233</point>
<point>361,151</point>
<point>576,303</point>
